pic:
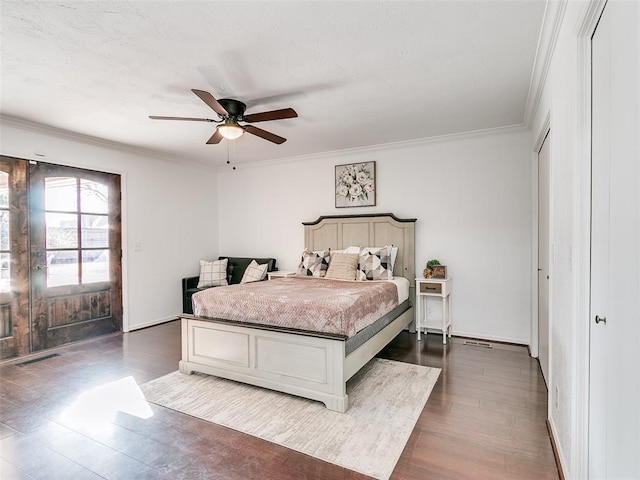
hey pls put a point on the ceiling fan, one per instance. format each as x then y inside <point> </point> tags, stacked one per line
<point>231,112</point>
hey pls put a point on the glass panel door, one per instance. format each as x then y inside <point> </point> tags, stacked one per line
<point>75,254</point>
<point>14,272</point>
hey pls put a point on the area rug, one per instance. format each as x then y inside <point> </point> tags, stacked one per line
<point>385,401</point>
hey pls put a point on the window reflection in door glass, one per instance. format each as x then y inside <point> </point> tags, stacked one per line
<point>95,266</point>
<point>62,268</point>
<point>5,272</point>
<point>4,230</point>
<point>61,194</point>
<point>5,253</point>
<point>62,230</point>
<point>68,242</point>
<point>95,231</point>
<point>4,190</point>
<point>94,197</point>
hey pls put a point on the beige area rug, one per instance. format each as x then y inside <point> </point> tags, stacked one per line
<point>385,401</point>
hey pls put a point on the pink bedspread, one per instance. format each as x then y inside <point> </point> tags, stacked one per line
<point>304,303</point>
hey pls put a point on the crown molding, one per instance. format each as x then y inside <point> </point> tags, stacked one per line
<point>90,140</point>
<point>383,146</point>
<point>551,23</point>
<point>95,141</point>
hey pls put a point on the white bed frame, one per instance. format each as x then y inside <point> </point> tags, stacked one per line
<point>309,365</point>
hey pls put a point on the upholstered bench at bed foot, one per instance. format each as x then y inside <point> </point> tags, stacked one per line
<point>236,267</point>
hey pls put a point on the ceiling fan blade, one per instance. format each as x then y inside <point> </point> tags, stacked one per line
<point>272,137</point>
<point>272,115</point>
<point>191,119</point>
<point>207,98</point>
<point>215,138</point>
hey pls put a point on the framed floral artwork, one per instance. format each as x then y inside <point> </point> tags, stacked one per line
<point>356,185</point>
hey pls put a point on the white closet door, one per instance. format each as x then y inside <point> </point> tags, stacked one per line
<point>614,418</point>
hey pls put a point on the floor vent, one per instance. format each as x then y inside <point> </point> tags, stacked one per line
<point>39,359</point>
<point>473,343</point>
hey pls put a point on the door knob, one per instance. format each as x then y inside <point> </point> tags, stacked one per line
<point>40,267</point>
<point>601,319</point>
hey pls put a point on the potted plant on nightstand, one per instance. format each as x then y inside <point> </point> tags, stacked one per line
<point>428,271</point>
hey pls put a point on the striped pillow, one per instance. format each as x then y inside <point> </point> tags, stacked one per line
<point>343,266</point>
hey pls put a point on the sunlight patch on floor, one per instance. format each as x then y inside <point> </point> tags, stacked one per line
<point>96,409</point>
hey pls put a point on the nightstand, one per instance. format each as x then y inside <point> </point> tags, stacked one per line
<point>279,274</point>
<point>433,287</point>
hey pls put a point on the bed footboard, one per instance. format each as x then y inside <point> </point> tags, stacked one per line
<point>308,366</point>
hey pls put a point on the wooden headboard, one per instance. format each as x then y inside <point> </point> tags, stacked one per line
<point>372,230</point>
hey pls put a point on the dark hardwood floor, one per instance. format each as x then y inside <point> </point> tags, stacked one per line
<point>484,420</point>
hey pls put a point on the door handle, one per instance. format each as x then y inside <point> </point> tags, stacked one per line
<point>40,267</point>
<point>601,319</point>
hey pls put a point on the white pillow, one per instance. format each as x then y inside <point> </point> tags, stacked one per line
<point>349,250</point>
<point>343,266</point>
<point>394,254</point>
<point>213,274</point>
<point>254,272</point>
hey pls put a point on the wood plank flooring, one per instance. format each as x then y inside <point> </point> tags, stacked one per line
<point>484,420</point>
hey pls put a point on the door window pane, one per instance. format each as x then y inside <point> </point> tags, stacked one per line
<point>5,272</point>
<point>95,266</point>
<point>94,197</point>
<point>62,230</point>
<point>67,201</point>
<point>4,230</point>
<point>95,231</point>
<point>62,268</point>
<point>5,242</point>
<point>4,190</point>
<point>61,194</point>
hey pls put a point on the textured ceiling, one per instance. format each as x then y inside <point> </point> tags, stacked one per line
<point>357,73</point>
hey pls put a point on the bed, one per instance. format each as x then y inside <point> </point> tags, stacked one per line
<point>307,363</point>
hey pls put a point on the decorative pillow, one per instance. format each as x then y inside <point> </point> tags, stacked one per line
<point>213,274</point>
<point>343,266</point>
<point>314,263</point>
<point>254,272</point>
<point>375,263</point>
<point>394,254</point>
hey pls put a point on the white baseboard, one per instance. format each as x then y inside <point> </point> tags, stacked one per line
<point>480,336</point>
<point>562,459</point>
<point>151,323</point>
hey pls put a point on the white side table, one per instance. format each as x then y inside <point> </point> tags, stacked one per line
<point>279,274</point>
<point>433,287</point>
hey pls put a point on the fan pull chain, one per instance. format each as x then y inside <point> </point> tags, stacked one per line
<point>229,143</point>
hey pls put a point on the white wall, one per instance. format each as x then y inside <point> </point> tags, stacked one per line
<point>471,195</point>
<point>564,97</point>
<point>170,208</point>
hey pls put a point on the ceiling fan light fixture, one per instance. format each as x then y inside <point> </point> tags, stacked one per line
<point>230,130</point>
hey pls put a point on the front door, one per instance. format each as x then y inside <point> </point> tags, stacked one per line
<point>75,247</point>
<point>14,259</point>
